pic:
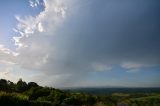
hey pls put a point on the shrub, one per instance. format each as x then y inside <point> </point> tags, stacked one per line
<point>13,99</point>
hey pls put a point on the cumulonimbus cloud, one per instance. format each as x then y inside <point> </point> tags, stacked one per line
<point>70,39</point>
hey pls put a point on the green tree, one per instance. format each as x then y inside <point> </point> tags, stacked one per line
<point>37,92</point>
<point>21,86</point>
<point>32,84</point>
<point>4,85</point>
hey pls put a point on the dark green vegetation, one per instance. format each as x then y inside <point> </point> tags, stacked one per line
<point>105,90</point>
<point>31,94</point>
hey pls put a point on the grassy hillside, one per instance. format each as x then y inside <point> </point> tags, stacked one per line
<point>31,94</point>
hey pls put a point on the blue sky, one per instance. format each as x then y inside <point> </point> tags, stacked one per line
<point>9,9</point>
<point>80,43</point>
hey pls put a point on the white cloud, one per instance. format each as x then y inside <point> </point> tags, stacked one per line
<point>7,51</point>
<point>7,56</point>
<point>7,62</point>
<point>62,42</point>
<point>6,71</point>
<point>130,65</point>
<point>134,66</point>
<point>40,27</point>
<point>101,67</point>
<point>35,3</point>
<point>34,44</point>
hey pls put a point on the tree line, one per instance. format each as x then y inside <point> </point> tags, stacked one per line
<point>31,94</point>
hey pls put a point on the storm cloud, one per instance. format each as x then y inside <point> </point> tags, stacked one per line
<point>111,33</point>
<point>71,39</point>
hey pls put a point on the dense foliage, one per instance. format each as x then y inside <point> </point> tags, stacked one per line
<point>31,94</point>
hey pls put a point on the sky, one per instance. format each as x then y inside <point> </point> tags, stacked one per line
<point>81,43</point>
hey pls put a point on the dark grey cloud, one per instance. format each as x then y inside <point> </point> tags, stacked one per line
<point>114,31</point>
<point>107,32</point>
<point>95,36</point>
